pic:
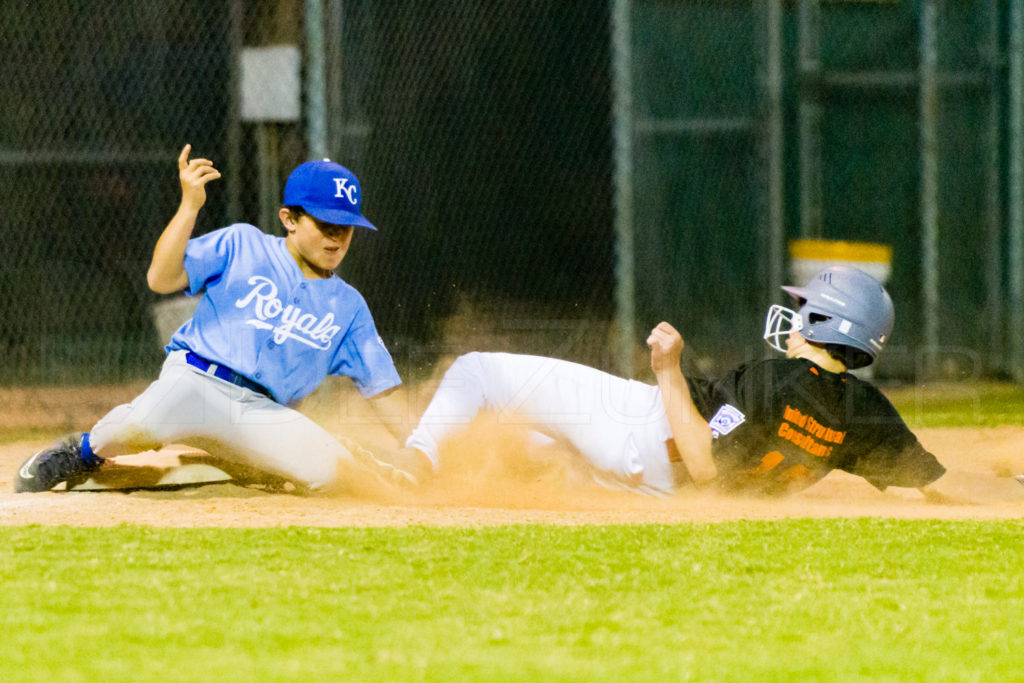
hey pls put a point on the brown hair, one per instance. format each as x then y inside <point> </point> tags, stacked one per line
<point>847,355</point>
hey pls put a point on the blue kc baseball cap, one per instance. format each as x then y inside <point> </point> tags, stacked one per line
<point>328,192</point>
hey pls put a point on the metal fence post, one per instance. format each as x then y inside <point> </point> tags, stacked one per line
<point>929,182</point>
<point>809,45</point>
<point>622,134</point>
<point>774,142</point>
<point>993,198</point>
<point>233,163</point>
<point>1015,334</point>
<point>316,108</point>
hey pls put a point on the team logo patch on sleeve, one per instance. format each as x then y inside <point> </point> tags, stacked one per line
<point>725,420</point>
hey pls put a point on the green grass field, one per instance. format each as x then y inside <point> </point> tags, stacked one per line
<point>802,600</point>
<point>967,404</point>
<point>796,600</point>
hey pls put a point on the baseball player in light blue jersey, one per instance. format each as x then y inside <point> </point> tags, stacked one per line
<point>272,322</point>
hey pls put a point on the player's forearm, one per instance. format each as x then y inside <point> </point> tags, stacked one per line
<point>167,270</point>
<point>690,431</point>
<point>392,409</point>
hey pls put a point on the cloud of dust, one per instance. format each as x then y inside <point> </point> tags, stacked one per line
<point>496,465</point>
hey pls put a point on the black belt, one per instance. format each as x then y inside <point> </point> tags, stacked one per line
<point>226,374</point>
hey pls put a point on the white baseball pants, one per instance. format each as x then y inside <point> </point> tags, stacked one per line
<point>187,406</point>
<point>618,425</point>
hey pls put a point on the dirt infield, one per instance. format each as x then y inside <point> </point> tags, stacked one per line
<point>492,483</point>
<point>487,480</point>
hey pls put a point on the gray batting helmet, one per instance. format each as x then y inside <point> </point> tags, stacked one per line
<point>841,305</point>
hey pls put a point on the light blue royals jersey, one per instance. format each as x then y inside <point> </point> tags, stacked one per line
<point>262,318</point>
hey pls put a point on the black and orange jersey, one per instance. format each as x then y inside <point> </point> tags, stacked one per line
<point>780,425</point>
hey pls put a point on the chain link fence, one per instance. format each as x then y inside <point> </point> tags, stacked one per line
<point>905,120</point>
<point>699,186</point>
<point>95,98</point>
<point>481,132</point>
<point>484,135</point>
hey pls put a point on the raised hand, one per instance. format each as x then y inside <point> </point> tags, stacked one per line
<point>194,175</point>
<point>666,346</point>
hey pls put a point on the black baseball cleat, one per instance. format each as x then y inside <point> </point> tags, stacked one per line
<point>53,465</point>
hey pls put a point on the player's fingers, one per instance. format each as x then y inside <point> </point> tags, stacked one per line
<point>663,334</point>
<point>183,157</point>
<point>662,341</point>
<point>667,329</point>
<point>212,174</point>
<point>659,335</point>
<point>655,337</point>
<point>197,173</point>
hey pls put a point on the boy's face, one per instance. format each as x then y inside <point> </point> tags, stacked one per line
<point>315,243</point>
<point>794,344</point>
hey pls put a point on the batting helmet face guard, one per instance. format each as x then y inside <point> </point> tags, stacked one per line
<point>841,305</point>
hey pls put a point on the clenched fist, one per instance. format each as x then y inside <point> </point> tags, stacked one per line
<point>666,346</point>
